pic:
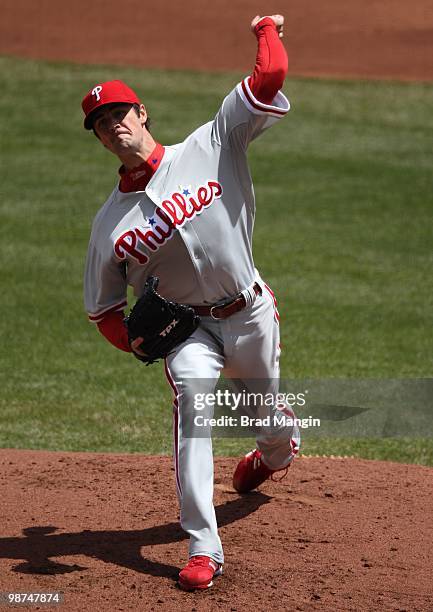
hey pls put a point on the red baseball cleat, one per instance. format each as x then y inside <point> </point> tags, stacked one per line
<point>251,472</point>
<point>199,573</point>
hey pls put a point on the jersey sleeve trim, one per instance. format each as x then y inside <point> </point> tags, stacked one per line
<point>279,108</point>
<point>97,317</point>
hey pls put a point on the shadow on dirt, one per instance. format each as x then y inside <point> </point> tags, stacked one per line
<point>122,548</point>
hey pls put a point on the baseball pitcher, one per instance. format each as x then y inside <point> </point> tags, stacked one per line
<point>178,228</point>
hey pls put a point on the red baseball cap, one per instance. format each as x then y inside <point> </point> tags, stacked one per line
<point>106,93</point>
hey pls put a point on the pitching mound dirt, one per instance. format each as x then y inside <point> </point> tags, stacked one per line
<point>336,534</point>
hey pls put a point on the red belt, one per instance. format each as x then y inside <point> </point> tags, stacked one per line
<point>225,309</point>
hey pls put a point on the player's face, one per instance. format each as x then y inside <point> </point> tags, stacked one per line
<point>119,128</point>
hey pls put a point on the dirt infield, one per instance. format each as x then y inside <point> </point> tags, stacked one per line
<point>336,534</point>
<point>372,38</point>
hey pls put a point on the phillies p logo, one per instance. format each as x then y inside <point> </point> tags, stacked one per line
<point>96,91</point>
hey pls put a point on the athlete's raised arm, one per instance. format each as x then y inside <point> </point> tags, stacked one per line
<point>271,61</point>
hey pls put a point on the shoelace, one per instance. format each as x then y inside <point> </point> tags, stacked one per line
<point>198,560</point>
<point>258,462</point>
<point>281,477</point>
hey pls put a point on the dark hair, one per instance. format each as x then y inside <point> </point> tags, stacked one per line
<point>136,107</point>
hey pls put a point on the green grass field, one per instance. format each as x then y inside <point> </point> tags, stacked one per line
<point>344,235</point>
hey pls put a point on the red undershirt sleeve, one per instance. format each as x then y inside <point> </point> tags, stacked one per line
<point>114,330</point>
<point>271,62</point>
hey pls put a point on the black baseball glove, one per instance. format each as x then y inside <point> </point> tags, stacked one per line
<point>163,325</point>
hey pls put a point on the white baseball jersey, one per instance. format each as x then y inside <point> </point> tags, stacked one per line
<point>192,226</point>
